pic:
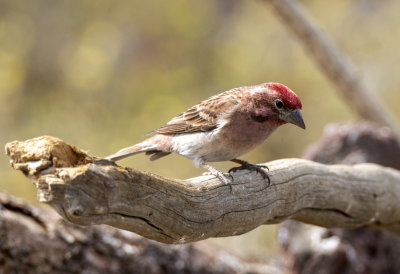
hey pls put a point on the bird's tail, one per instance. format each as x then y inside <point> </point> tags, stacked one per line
<point>129,151</point>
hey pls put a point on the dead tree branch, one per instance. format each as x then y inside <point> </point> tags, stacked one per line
<point>336,66</point>
<point>333,250</point>
<point>35,239</point>
<point>86,190</point>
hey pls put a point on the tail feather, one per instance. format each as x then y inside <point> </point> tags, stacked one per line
<point>129,151</point>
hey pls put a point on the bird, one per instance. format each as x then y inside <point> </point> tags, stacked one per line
<point>223,127</point>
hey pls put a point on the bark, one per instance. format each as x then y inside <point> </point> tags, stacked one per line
<point>311,249</point>
<point>86,190</point>
<point>37,240</point>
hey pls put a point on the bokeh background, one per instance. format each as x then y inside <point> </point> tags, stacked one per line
<point>101,74</point>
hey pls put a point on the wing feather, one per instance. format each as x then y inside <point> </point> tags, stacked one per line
<point>203,117</point>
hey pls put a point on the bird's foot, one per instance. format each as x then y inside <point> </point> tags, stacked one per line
<point>225,178</point>
<point>257,168</point>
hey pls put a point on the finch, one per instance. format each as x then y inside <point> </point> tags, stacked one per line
<point>223,127</point>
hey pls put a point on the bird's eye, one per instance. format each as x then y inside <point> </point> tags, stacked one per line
<point>279,103</point>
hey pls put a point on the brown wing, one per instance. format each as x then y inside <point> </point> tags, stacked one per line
<point>204,116</point>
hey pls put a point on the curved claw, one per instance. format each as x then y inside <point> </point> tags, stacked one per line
<point>223,177</point>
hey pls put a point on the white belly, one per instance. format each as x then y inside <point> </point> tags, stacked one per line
<point>205,146</point>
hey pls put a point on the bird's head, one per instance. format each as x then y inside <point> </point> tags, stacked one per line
<point>278,102</point>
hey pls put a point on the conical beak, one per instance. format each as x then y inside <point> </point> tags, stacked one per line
<point>294,117</point>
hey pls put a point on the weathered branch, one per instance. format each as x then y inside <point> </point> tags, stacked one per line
<point>87,190</point>
<point>333,250</point>
<point>336,66</point>
<point>34,239</point>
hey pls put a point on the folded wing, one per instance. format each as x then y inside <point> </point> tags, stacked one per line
<point>203,117</point>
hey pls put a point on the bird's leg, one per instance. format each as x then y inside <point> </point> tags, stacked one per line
<point>246,165</point>
<point>223,177</point>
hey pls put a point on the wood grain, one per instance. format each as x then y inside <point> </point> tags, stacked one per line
<point>87,190</point>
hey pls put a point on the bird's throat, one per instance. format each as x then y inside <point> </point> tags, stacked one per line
<point>260,118</point>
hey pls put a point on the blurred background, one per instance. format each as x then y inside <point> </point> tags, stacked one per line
<point>101,74</point>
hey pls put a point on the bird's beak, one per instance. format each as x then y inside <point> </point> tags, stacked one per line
<point>294,117</point>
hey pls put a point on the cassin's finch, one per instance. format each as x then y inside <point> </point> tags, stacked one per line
<point>223,127</point>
